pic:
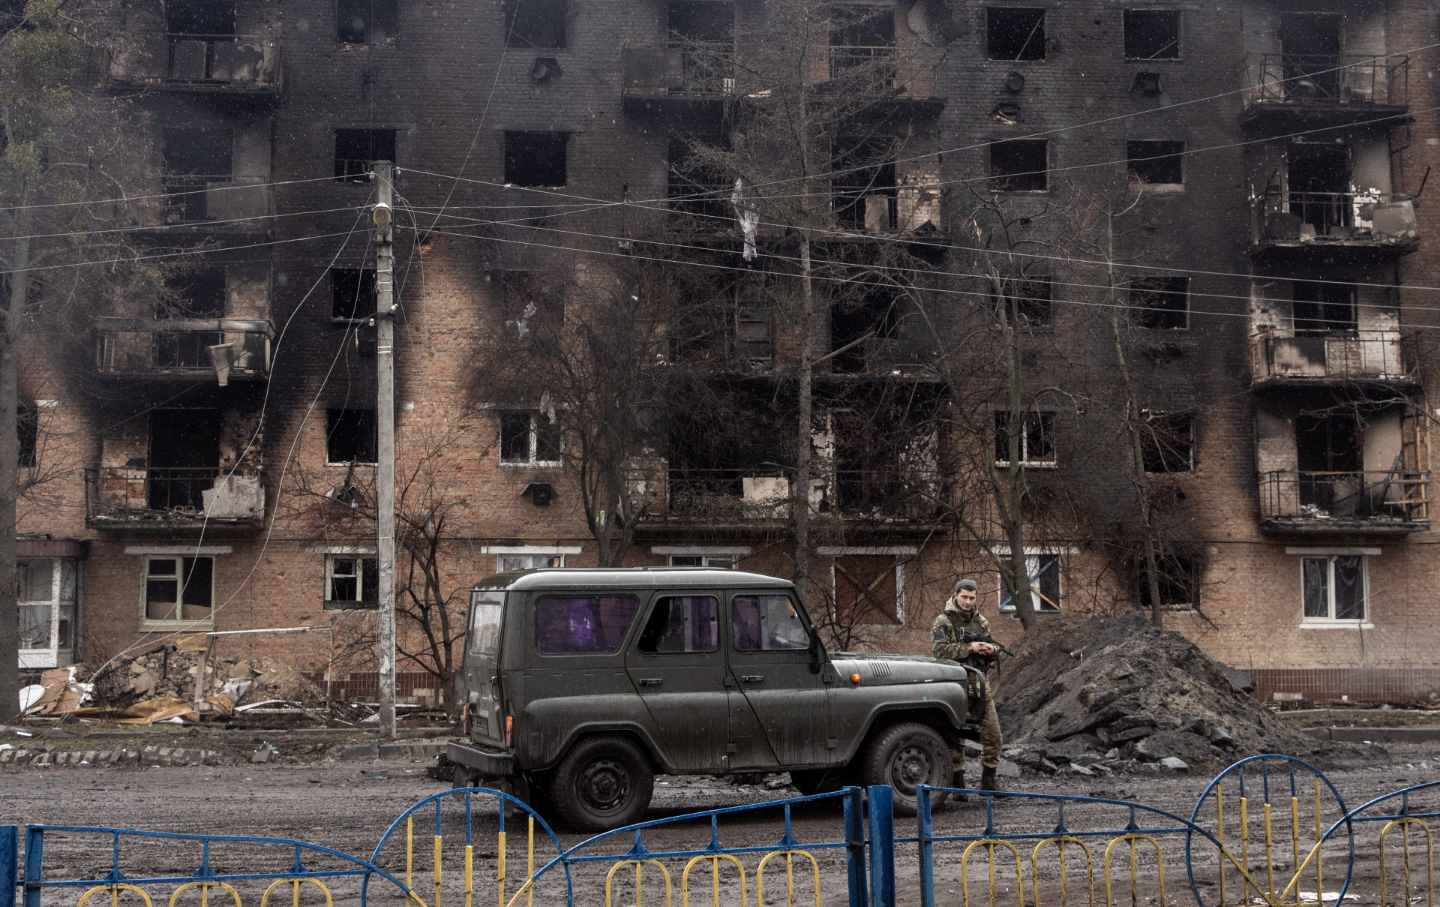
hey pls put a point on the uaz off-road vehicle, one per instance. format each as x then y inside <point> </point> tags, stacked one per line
<point>582,685</point>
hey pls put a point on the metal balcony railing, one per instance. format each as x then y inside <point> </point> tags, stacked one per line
<point>873,65</point>
<point>680,70</point>
<point>171,496</point>
<point>237,203</point>
<point>1331,80</point>
<point>727,496</point>
<point>243,62</point>
<point>1397,499</point>
<point>1369,356</point>
<point>183,348</point>
<point>1377,218</point>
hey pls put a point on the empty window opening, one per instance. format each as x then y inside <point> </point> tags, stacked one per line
<point>536,158</point>
<point>1178,578</point>
<point>210,18</point>
<point>697,187</point>
<point>1324,308</point>
<point>179,588</point>
<point>1167,441</point>
<point>536,23</point>
<point>350,436</point>
<point>701,22</point>
<point>865,196</point>
<point>27,432</point>
<point>861,328</point>
<point>357,150</point>
<point>1319,183</point>
<point>1310,46</point>
<point>1162,303</point>
<point>1333,587</point>
<point>352,294</point>
<point>1152,34</point>
<point>351,581</point>
<point>366,21</point>
<point>1026,302</point>
<point>184,458</point>
<point>1154,163</point>
<point>1014,33</point>
<point>530,307</point>
<point>1330,457</point>
<point>199,293</point>
<point>194,158</point>
<point>1043,572</point>
<point>529,439</point>
<point>680,624</point>
<point>1036,440</point>
<point>862,43</point>
<point>1020,165</point>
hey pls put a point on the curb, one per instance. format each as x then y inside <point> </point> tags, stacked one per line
<point>1377,734</point>
<point>39,757</point>
<point>411,750</point>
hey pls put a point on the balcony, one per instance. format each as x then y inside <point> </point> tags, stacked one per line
<point>1337,88</point>
<point>241,65</point>
<point>690,75</point>
<point>1384,358</point>
<point>211,203</point>
<point>169,499</point>
<point>1383,502</point>
<point>183,349</point>
<point>1357,224</point>
<point>874,72</point>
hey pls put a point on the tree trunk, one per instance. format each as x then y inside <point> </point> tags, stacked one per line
<point>801,493</point>
<point>1015,472</point>
<point>9,461</point>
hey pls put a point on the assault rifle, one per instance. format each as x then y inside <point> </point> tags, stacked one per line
<point>986,637</point>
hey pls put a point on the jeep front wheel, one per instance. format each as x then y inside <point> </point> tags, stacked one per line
<point>906,756</point>
<point>603,783</point>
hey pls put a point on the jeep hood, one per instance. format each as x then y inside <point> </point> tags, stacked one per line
<point>896,669</point>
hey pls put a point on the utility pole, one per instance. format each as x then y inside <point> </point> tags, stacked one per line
<point>385,425</point>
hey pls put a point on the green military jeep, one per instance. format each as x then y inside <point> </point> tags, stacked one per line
<point>582,685</point>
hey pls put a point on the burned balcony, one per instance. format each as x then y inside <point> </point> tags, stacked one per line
<point>1333,87</point>
<point>169,499</point>
<point>760,498</point>
<point>1358,223</point>
<point>1339,501</point>
<point>677,75</point>
<point>1381,358</point>
<point>189,349</point>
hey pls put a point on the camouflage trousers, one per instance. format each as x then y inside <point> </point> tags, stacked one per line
<point>990,738</point>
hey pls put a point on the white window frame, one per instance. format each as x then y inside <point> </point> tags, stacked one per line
<point>1025,461</point>
<point>556,552</point>
<point>360,603</point>
<point>534,440</point>
<point>51,656</point>
<point>1060,555</point>
<point>1330,554</point>
<point>178,557</point>
<point>723,558</point>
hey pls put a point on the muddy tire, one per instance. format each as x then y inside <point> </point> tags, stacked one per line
<point>817,780</point>
<point>602,783</point>
<point>906,756</point>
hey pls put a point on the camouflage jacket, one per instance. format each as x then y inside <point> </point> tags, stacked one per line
<point>949,633</point>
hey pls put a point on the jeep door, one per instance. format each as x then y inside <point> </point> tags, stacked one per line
<point>773,689</point>
<point>481,674</point>
<point>678,668</point>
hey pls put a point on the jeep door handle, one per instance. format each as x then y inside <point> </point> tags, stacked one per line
<point>651,681</point>
<point>752,678</point>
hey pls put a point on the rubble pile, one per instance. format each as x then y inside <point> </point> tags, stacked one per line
<point>1094,695</point>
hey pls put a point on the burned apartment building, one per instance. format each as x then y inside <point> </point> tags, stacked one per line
<point>804,298</point>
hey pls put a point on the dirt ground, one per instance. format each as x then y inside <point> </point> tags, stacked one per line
<point>348,805</point>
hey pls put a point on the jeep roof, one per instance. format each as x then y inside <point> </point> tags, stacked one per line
<point>629,578</point>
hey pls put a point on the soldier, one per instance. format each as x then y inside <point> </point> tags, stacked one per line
<point>955,636</point>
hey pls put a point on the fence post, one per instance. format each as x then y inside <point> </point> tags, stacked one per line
<point>926,849</point>
<point>34,865</point>
<point>9,864</point>
<point>882,845</point>
<point>854,805</point>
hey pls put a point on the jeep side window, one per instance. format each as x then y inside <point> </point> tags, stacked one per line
<point>767,623</point>
<point>583,624</point>
<point>682,623</point>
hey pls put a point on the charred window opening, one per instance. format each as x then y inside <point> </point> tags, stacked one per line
<point>1152,34</point>
<point>184,458</point>
<point>529,438</point>
<point>1178,577</point>
<point>696,188</point>
<point>1324,308</point>
<point>701,21</point>
<point>1167,441</point>
<point>1159,162</point>
<point>27,432</point>
<point>179,588</point>
<point>865,195</point>
<point>1043,570</point>
<point>194,160</point>
<point>357,150</point>
<point>862,43</point>
<point>1161,303</point>
<point>1037,439</point>
<point>351,582</point>
<point>1026,301</point>
<point>530,306</point>
<point>536,23</point>
<point>196,294</point>
<point>1020,165</point>
<point>536,158</point>
<point>1014,33</point>
<point>863,329</point>
<point>352,294</point>
<point>1319,186</point>
<point>211,18</point>
<point>366,21</point>
<point>1310,48</point>
<point>731,326</point>
<point>350,436</point>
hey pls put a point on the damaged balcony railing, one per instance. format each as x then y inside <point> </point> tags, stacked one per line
<point>874,66</point>
<point>184,348</point>
<point>694,69</point>
<point>1370,356</point>
<point>1378,218</point>
<point>1331,79</point>
<point>1397,499</point>
<point>760,495</point>
<point>223,61</point>
<point>170,496</point>
<point>240,203</point>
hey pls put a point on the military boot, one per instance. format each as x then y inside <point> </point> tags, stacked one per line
<point>987,779</point>
<point>957,779</point>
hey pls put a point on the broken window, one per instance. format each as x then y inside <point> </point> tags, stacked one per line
<point>1042,569</point>
<point>1319,182</point>
<point>1310,52</point>
<point>862,43</point>
<point>1329,454</point>
<point>695,188</point>
<point>866,591</point>
<point>536,158</point>
<point>366,21</point>
<point>766,623</point>
<point>1014,33</point>
<point>352,294</point>
<point>1020,165</point>
<point>535,23</point>
<point>1333,587</point>
<point>529,438</point>
<point>27,430</point>
<point>1037,439</point>
<point>1324,308</point>
<point>199,293</point>
<point>681,624</point>
<point>194,159</point>
<point>1155,163</point>
<point>208,18</point>
<point>1152,34</point>
<point>350,436</point>
<point>357,150</point>
<point>865,196</point>
<point>45,590</point>
<point>864,330</point>
<point>583,624</point>
<point>1027,300</point>
<point>530,306</point>
<point>351,581</point>
<point>1167,441</point>
<point>184,458</point>
<point>1178,579</point>
<point>179,588</point>
<point>1162,303</point>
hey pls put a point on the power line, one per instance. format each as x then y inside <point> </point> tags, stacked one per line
<point>131,259</point>
<point>183,226</point>
<point>131,199</point>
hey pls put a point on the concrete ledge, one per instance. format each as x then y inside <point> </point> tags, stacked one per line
<point>398,750</point>
<point>1377,734</point>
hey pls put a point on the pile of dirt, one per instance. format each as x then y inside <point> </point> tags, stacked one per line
<point>169,672</point>
<point>1100,692</point>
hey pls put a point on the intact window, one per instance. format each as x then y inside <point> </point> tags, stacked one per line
<point>514,563</point>
<point>536,158</point>
<point>1037,439</point>
<point>1160,302</point>
<point>351,581</point>
<point>357,150</point>
<point>366,21</point>
<point>767,623</point>
<point>1168,441</point>
<point>583,624</point>
<point>1156,163</point>
<point>27,430</point>
<point>1333,587</point>
<point>1043,572</point>
<point>681,624</point>
<point>352,294</point>
<point>1179,581</point>
<point>535,23</point>
<point>529,438</point>
<point>179,588</point>
<point>1152,34</point>
<point>350,436</point>
<point>1014,33</point>
<point>1020,165</point>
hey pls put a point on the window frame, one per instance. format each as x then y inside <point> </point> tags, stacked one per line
<point>1330,620</point>
<point>1193,570</point>
<point>55,654</point>
<point>1037,554</point>
<point>1135,310</point>
<point>533,444</point>
<point>361,602</point>
<point>374,441</point>
<point>359,178</point>
<point>509,12</point>
<point>620,643</point>
<point>732,561</point>
<point>369,28</point>
<point>1146,185</point>
<point>998,182</point>
<point>1044,40</point>
<point>1150,417</point>
<point>641,640</point>
<point>373,300</point>
<point>177,621</point>
<point>1179,34</point>
<point>27,435</point>
<point>732,644</point>
<point>1025,460</point>
<point>565,137</point>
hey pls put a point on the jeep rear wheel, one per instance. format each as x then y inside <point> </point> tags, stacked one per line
<point>906,756</point>
<point>603,783</point>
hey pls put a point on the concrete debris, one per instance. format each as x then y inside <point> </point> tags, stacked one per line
<point>170,672</point>
<point>1174,763</point>
<point>263,754</point>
